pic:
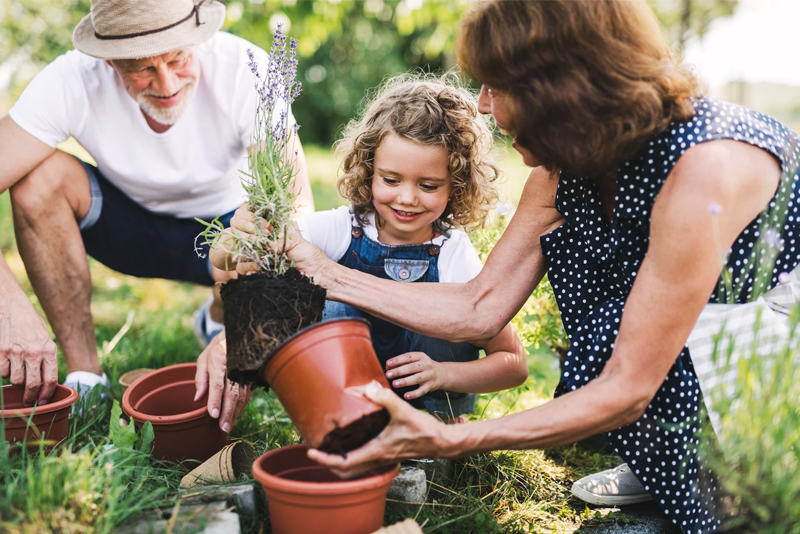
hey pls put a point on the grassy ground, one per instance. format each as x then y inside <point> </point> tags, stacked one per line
<point>147,323</point>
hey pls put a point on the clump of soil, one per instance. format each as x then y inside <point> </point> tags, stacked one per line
<point>262,310</point>
<point>345,439</point>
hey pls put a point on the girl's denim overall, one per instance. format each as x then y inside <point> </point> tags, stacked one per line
<point>405,263</point>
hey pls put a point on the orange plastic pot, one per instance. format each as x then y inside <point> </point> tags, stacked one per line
<point>306,498</point>
<point>311,373</point>
<point>183,429</point>
<point>49,422</point>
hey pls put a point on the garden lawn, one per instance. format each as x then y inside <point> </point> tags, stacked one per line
<point>147,323</point>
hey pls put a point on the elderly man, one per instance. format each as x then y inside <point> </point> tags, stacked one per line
<point>165,104</point>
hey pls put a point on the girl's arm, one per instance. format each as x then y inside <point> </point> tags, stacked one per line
<point>676,278</point>
<point>504,367</point>
<point>476,311</point>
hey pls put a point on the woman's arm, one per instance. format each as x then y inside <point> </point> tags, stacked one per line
<point>676,278</point>
<point>504,366</point>
<point>476,311</point>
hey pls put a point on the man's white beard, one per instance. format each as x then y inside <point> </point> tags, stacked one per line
<point>167,116</point>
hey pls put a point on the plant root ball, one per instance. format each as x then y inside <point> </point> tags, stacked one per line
<point>262,310</point>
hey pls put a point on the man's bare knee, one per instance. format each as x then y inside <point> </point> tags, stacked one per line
<point>60,180</point>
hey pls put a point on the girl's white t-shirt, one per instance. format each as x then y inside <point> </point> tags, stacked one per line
<point>192,169</point>
<point>331,231</point>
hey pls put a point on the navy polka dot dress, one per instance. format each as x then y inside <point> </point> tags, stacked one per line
<point>593,265</point>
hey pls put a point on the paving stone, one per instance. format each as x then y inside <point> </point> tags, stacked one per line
<point>213,518</point>
<point>647,519</point>
<point>438,470</point>
<point>409,486</point>
<point>241,497</point>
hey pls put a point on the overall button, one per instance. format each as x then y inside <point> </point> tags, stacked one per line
<point>404,274</point>
<point>433,250</point>
<point>357,232</point>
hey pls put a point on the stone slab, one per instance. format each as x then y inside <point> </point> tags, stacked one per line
<point>644,518</point>
<point>213,518</point>
<point>409,486</point>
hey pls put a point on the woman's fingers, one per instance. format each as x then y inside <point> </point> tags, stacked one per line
<point>410,434</point>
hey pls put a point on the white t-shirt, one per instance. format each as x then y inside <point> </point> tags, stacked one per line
<point>192,169</point>
<point>331,231</point>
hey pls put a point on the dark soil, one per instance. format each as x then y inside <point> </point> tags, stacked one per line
<point>343,440</point>
<point>261,311</point>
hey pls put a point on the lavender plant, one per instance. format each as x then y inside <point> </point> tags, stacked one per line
<point>269,182</point>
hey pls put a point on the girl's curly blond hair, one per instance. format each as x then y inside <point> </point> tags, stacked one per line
<point>431,110</point>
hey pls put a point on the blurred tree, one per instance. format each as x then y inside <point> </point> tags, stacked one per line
<point>682,19</point>
<point>346,46</point>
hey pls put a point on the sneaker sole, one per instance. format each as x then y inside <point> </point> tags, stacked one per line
<point>610,500</point>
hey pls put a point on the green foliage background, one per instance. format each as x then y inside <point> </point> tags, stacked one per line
<point>346,46</point>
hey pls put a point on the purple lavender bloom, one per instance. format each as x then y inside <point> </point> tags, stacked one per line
<point>784,278</point>
<point>773,239</point>
<point>714,209</point>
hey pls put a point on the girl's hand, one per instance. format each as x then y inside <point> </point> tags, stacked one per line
<point>410,434</point>
<point>418,368</point>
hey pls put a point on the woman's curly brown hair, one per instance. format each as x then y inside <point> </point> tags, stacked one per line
<point>588,82</point>
<point>430,110</point>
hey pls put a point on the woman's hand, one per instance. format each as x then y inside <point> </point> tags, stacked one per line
<point>410,434</point>
<point>418,368</point>
<point>226,399</point>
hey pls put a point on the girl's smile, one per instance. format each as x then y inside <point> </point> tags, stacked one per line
<point>411,186</point>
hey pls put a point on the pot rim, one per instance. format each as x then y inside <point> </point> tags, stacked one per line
<point>71,399</point>
<point>141,417</point>
<point>308,328</point>
<point>383,478</point>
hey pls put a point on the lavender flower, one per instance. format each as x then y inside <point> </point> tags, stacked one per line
<point>773,239</point>
<point>784,278</point>
<point>714,209</point>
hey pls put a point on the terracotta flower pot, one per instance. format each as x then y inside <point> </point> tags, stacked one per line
<point>183,429</point>
<point>306,498</point>
<point>49,422</point>
<point>311,372</point>
<point>132,376</point>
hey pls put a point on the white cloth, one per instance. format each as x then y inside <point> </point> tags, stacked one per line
<point>192,169</point>
<point>331,231</point>
<point>726,333</point>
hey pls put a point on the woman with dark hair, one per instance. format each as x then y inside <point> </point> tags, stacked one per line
<point>639,184</point>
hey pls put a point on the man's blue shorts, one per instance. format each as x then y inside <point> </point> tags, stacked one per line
<point>124,236</point>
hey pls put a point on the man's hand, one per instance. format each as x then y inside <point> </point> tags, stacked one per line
<point>27,354</point>
<point>226,399</point>
<point>418,368</point>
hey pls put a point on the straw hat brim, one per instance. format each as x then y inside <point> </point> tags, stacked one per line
<point>212,15</point>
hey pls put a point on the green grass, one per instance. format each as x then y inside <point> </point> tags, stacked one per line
<point>86,488</point>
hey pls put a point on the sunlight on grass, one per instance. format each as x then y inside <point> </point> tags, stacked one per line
<point>525,491</point>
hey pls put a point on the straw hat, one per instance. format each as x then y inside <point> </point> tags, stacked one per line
<point>132,29</point>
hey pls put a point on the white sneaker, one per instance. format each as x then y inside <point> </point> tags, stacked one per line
<point>613,487</point>
<point>84,381</point>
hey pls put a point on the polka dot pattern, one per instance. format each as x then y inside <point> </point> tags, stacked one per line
<point>593,265</point>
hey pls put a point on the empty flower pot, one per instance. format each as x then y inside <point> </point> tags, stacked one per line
<point>49,422</point>
<point>130,377</point>
<point>183,428</point>
<point>306,498</point>
<point>311,373</point>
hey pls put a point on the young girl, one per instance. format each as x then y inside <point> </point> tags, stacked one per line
<point>416,166</point>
